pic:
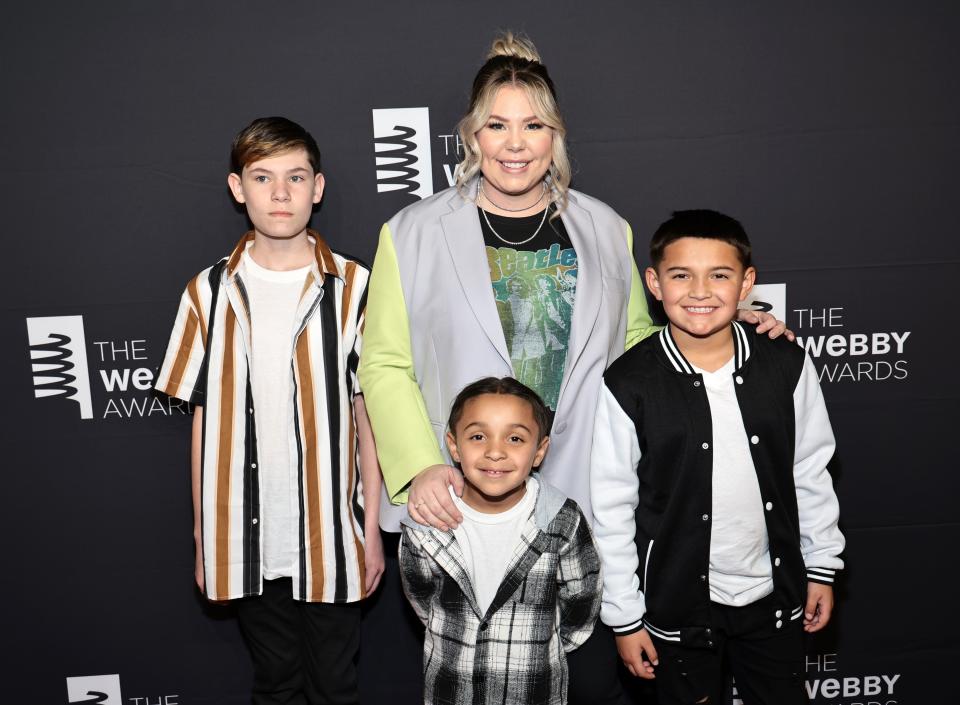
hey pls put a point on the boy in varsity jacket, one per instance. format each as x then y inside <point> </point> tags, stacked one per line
<point>285,479</point>
<point>715,514</point>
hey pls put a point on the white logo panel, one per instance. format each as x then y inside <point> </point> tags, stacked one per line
<point>402,143</point>
<point>771,298</point>
<point>58,353</point>
<point>94,690</point>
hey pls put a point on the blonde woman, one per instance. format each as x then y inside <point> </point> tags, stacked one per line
<point>433,324</point>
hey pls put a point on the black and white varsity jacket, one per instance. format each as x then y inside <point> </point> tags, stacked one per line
<point>651,482</point>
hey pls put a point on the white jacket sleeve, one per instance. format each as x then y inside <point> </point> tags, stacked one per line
<point>820,539</point>
<point>614,494</point>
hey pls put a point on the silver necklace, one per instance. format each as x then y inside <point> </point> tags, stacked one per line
<point>483,192</point>
<point>522,242</point>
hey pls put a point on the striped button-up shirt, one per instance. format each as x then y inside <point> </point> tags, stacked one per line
<point>208,363</point>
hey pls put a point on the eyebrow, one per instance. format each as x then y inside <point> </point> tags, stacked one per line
<point>261,170</point>
<point>483,426</point>
<point>503,119</point>
<point>712,269</point>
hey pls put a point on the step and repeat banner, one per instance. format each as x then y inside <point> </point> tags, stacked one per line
<point>831,130</point>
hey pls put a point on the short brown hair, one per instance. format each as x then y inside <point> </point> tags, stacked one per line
<point>501,385</point>
<point>269,136</point>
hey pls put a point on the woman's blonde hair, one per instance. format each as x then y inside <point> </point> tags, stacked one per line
<point>514,60</point>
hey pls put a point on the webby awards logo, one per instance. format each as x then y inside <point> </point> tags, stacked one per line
<point>769,298</point>
<point>94,690</point>
<point>120,386</point>
<point>402,143</point>
<point>58,355</point>
<point>105,690</point>
<point>827,683</point>
<point>840,350</point>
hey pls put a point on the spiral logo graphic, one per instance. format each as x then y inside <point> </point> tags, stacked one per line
<point>94,690</point>
<point>58,355</point>
<point>769,298</point>
<point>402,142</point>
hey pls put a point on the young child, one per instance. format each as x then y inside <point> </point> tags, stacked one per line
<point>266,343</point>
<point>517,584</point>
<point>715,515</point>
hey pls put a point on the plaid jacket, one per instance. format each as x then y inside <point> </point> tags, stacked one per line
<point>546,605</point>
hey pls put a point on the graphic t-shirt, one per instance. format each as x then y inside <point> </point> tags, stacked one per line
<point>534,284</point>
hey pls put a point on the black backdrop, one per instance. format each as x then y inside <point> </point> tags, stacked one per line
<point>830,129</point>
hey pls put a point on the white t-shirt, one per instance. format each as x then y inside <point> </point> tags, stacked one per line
<point>488,542</point>
<point>740,571</point>
<point>274,298</point>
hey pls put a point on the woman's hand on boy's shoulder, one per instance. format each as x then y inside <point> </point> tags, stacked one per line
<point>638,653</point>
<point>766,323</point>
<point>429,500</point>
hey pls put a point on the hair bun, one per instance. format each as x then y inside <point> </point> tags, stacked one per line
<point>510,44</point>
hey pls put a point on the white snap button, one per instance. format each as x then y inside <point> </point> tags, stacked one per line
<point>769,506</point>
<point>779,623</point>
<point>705,517</point>
<point>776,562</point>
<point>705,445</point>
<point>739,379</point>
<point>254,520</point>
<point>754,439</point>
<point>779,614</point>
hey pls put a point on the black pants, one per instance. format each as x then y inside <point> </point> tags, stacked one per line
<point>304,653</point>
<point>593,668</point>
<point>767,661</point>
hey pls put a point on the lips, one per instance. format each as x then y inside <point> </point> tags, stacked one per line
<point>514,166</point>
<point>493,473</point>
<point>700,309</point>
<point>281,214</point>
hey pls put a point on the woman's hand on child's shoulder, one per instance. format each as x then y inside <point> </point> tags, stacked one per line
<point>429,501</point>
<point>766,323</point>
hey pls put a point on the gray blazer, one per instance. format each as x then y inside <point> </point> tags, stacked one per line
<point>455,330</point>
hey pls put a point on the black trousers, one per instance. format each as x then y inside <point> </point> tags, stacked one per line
<point>766,661</point>
<point>304,653</point>
<point>594,671</point>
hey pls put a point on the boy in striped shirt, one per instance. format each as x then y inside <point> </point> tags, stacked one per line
<point>285,479</point>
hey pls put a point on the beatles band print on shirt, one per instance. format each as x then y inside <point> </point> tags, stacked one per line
<point>535,291</point>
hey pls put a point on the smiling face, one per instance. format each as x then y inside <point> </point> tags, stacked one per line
<point>497,443</point>
<point>700,282</point>
<point>279,193</point>
<point>515,150</point>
